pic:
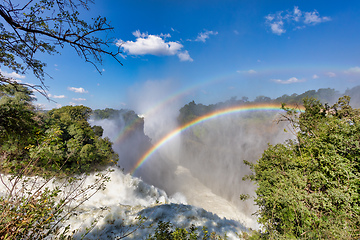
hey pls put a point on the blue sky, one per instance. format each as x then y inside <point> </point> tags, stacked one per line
<point>209,51</point>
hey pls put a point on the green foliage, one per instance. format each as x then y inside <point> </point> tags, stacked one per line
<point>98,130</point>
<point>309,187</point>
<point>28,217</point>
<point>79,147</point>
<point>166,231</point>
<point>107,113</point>
<point>62,136</point>
<point>18,121</point>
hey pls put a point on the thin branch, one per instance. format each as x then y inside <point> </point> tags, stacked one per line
<point>16,25</point>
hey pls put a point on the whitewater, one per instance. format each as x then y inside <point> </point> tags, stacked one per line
<point>192,180</point>
<point>180,186</point>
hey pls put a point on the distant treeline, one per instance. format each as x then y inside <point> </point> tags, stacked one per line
<point>193,110</point>
<point>109,113</point>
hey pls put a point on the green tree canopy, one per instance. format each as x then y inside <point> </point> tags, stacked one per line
<point>18,122</point>
<point>310,187</point>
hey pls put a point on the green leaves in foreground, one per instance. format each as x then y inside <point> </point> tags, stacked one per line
<point>166,231</point>
<point>309,188</point>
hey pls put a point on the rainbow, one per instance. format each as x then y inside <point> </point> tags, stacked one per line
<point>211,115</point>
<point>161,105</point>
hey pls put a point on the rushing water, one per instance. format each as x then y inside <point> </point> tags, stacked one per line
<point>202,167</point>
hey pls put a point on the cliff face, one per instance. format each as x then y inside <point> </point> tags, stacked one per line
<point>126,130</point>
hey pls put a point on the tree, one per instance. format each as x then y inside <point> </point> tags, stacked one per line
<point>39,150</point>
<point>18,122</point>
<point>31,27</point>
<point>309,187</point>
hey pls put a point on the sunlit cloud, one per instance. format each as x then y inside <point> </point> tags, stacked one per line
<point>295,19</point>
<point>288,81</point>
<point>147,44</point>
<point>77,90</point>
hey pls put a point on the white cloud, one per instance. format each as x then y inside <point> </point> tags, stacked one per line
<point>314,18</point>
<point>270,17</point>
<point>56,96</point>
<point>354,70</point>
<point>79,99</point>
<point>277,27</point>
<point>330,74</point>
<point>153,45</point>
<point>12,75</point>
<point>289,81</point>
<point>205,35</point>
<point>167,35</point>
<point>184,56</point>
<point>315,76</point>
<point>77,90</point>
<point>297,14</point>
<point>138,34</point>
<point>295,18</point>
